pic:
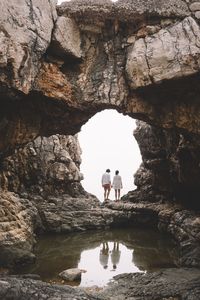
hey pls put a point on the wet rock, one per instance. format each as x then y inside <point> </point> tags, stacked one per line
<point>165,284</point>
<point>18,288</point>
<point>71,274</point>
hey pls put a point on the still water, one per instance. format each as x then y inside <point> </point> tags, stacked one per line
<point>102,254</point>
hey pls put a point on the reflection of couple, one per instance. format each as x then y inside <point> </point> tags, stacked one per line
<point>104,255</point>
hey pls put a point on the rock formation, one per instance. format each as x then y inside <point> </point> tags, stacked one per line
<point>43,167</point>
<point>114,62</point>
<point>170,168</point>
<point>60,66</point>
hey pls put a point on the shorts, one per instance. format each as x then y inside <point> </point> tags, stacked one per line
<point>106,186</point>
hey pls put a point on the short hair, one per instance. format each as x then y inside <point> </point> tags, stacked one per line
<point>108,170</point>
<point>105,267</point>
<point>116,172</point>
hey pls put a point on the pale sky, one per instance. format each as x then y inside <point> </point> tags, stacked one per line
<point>107,142</point>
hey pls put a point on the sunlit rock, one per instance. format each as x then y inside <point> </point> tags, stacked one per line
<point>25,34</point>
<point>171,53</point>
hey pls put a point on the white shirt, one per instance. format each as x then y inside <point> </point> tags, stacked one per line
<point>117,182</point>
<point>106,178</point>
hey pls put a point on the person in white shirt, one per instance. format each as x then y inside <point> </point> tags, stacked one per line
<point>117,185</point>
<point>115,255</point>
<point>106,184</point>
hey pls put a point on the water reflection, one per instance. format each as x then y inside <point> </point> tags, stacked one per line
<point>102,254</point>
<point>115,255</point>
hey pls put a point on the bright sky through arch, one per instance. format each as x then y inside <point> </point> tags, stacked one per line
<point>107,141</point>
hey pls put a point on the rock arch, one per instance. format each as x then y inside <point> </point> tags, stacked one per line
<point>58,67</point>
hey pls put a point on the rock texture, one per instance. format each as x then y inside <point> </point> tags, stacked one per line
<point>109,56</point>
<point>139,57</point>
<point>45,166</point>
<point>66,39</point>
<point>25,34</point>
<point>167,284</point>
<point>15,288</point>
<point>171,53</point>
<point>17,221</point>
<point>170,168</point>
<point>71,274</point>
<point>123,10</point>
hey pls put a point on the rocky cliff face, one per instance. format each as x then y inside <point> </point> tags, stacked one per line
<point>111,55</point>
<point>170,168</point>
<point>43,167</point>
<point>58,67</point>
<point>29,179</point>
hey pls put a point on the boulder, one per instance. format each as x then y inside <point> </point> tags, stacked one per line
<point>71,274</point>
<point>66,38</point>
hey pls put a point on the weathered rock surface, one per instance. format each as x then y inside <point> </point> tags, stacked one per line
<point>123,10</point>
<point>167,284</point>
<point>71,274</point>
<point>66,38</point>
<point>25,34</point>
<point>18,217</point>
<point>67,214</point>
<point>65,80</point>
<point>53,84</point>
<point>23,289</point>
<point>170,168</point>
<point>182,224</point>
<point>45,166</point>
<point>171,53</point>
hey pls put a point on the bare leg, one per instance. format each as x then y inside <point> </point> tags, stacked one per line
<point>119,194</point>
<point>117,245</point>
<point>104,194</point>
<point>108,192</point>
<point>115,194</point>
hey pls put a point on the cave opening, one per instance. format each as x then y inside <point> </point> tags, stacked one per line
<point>107,141</point>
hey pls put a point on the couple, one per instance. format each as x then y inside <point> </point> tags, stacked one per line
<point>116,184</point>
<point>115,255</point>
